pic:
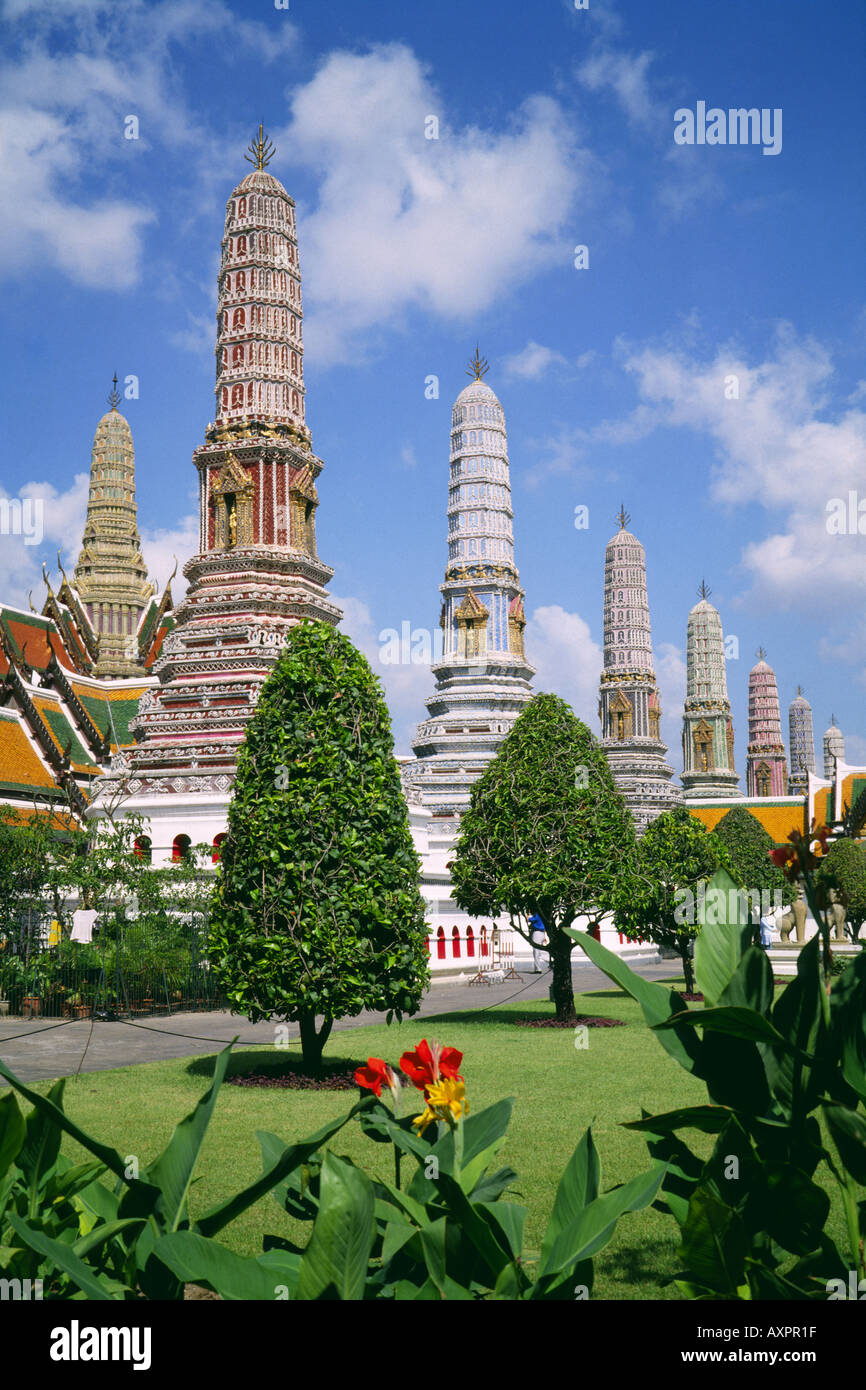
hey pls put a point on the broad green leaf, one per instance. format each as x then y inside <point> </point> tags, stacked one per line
<point>848,1129</point>
<point>172,1171</point>
<point>65,1260</point>
<point>848,1013</point>
<point>593,1227</point>
<point>110,1157</point>
<point>12,1130</point>
<point>491,1245</point>
<point>100,1234</point>
<point>38,1154</point>
<point>799,1016</point>
<point>709,1119</point>
<point>578,1186</point>
<point>713,1245</point>
<point>194,1259</point>
<point>735,1022</point>
<point>657,1002</point>
<point>284,1159</point>
<point>483,1137</point>
<point>488,1188</point>
<point>784,1202</point>
<point>335,1261</point>
<point>720,945</point>
<point>433,1237</point>
<point>509,1220</point>
<point>751,985</point>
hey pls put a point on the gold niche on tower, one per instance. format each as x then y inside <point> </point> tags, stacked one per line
<point>621,715</point>
<point>516,624</point>
<point>702,742</point>
<point>471,620</point>
<point>232,501</point>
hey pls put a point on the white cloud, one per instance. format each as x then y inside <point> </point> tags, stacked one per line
<point>406,684</point>
<point>62,522</point>
<point>402,221</point>
<point>162,547</point>
<point>671,677</point>
<point>625,75</point>
<point>568,662</point>
<point>532,362</point>
<point>777,444</point>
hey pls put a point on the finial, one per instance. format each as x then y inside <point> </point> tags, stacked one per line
<point>30,600</point>
<point>760,654</point>
<point>261,151</point>
<point>704,591</point>
<point>171,576</point>
<point>832,720</point>
<point>478,367</point>
<point>799,690</point>
<point>114,397</point>
<point>60,567</point>
<point>623,517</point>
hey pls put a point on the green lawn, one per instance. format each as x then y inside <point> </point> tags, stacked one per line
<point>558,1091</point>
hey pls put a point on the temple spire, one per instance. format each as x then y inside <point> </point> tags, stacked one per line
<point>704,591</point>
<point>478,366</point>
<point>114,394</point>
<point>708,730</point>
<point>623,517</point>
<point>766,768</point>
<point>261,150</point>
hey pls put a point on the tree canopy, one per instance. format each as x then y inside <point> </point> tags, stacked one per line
<point>546,832</point>
<point>318,910</point>
<point>748,845</point>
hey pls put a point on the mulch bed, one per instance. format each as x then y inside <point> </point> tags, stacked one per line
<point>331,1078</point>
<point>694,998</point>
<point>582,1020</point>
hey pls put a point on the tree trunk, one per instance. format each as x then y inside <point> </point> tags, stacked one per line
<point>688,969</point>
<point>313,1042</point>
<point>560,949</point>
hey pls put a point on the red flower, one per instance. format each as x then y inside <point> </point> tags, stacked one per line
<point>428,1064</point>
<point>376,1074</point>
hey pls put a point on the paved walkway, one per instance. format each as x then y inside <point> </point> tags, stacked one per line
<point>40,1051</point>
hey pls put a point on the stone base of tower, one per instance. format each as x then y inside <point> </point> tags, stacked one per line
<point>474,707</point>
<point>710,786</point>
<point>643,778</point>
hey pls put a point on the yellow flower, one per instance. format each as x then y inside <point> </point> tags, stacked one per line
<point>423,1120</point>
<point>448,1098</point>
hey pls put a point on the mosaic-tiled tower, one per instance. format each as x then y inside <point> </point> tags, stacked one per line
<point>257,572</point>
<point>766,770</point>
<point>801,745</point>
<point>629,706</point>
<point>708,731</point>
<point>483,678</point>
<point>110,581</point>
<point>834,747</point>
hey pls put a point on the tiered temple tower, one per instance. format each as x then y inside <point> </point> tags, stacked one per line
<point>766,771</point>
<point>110,591</point>
<point>257,572</point>
<point>834,747</point>
<point>708,731</point>
<point>629,706</point>
<point>801,744</point>
<point>483,678</point>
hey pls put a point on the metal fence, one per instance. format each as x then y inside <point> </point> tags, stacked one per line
<point>153,967</point>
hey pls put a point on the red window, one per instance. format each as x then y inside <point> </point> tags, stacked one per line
<point>216,854</point>
<point>142,848</point>
<point>440,943</point>
<point>484,941</point>
<point>470,942</point>
<point>180,848</point>
<point>455,942</point>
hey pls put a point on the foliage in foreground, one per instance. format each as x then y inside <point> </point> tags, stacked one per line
<point>318,910</point>
<point>446,1232</point>
<point>752,1218</point>
<point>546,832</point>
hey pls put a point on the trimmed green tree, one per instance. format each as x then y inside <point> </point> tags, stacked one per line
<point>546,832</point>
<point>318,911</point>
<point>748,845</point>
<point>676,855</point>
<point>844,868</point>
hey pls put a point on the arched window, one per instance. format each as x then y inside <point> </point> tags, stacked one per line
<point>237,396</point>
<point>455,942</point>
<point>242,207</point>
<point>241,248</point>
<point>440,943</point>
<point>484,947</point>
<point>216,853</point>
<point>470,942</point>
<point>240,280</point>
<point>239,319</point>
<point>295,402</point>
<point>180,848</point>
<point>143,848</point>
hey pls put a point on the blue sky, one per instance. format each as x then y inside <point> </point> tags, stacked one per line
<point>555,130</point>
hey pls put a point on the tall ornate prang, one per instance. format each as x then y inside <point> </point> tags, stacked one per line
<point>834,747</point>
<point>766,770</point>
<point>110,584</point>
<point>801,743</point>
<point>629,706</point>
<point>483,678</point>
<point>708,731</point>
<point>257,571</point>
